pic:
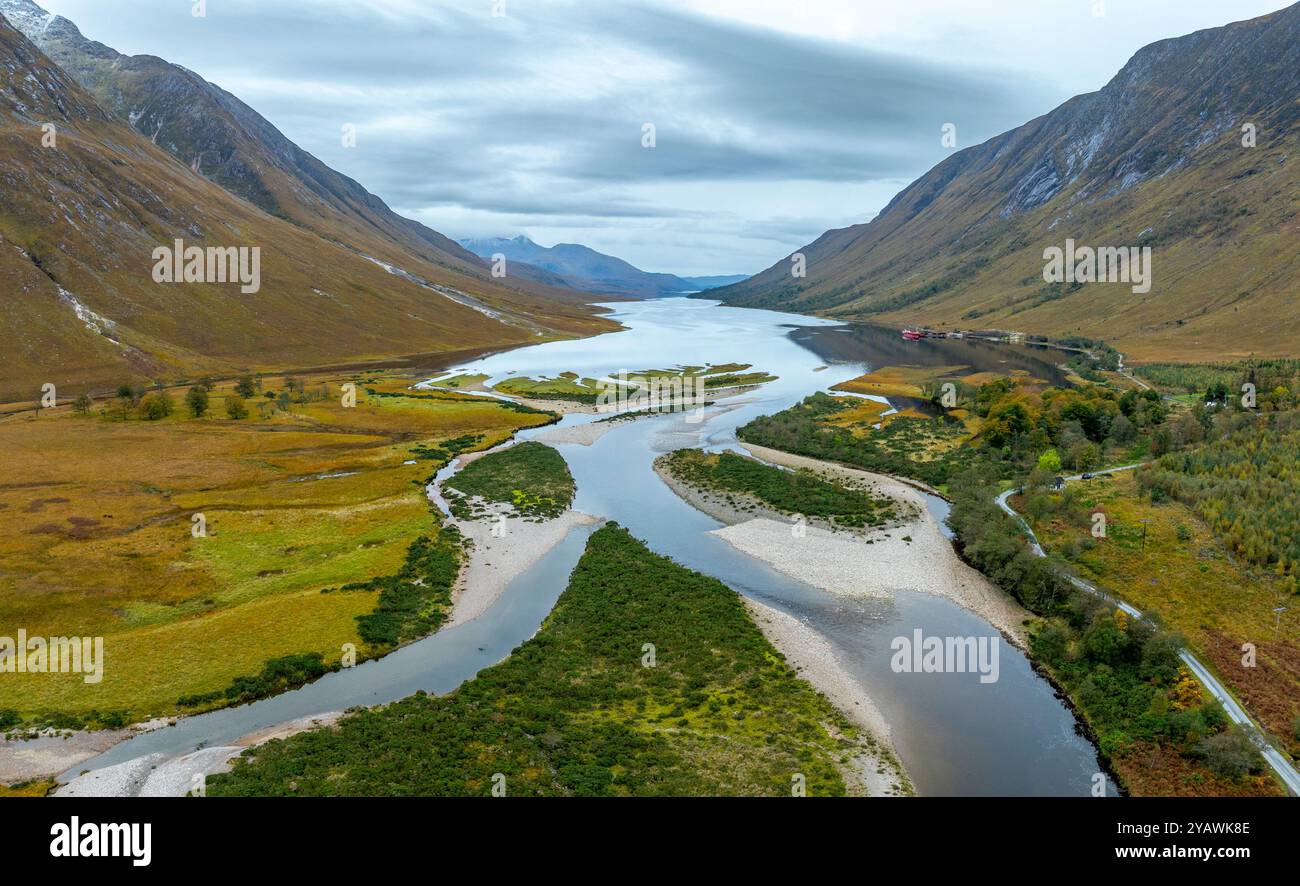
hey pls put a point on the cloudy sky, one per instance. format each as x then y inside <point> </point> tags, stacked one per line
<point>774,119</point>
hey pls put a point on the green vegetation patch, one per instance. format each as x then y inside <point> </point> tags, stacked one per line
<point>1161,733</point>
<point>908,447</point>
<point>1246,487</point>
<point>566,386</point>
<point>279,675</point>
<point>464,380</point>
<point>532,477</point>
<point>416,600</point>
<point>790,492</point>
<point>724,375</point>
<point>577,710</point>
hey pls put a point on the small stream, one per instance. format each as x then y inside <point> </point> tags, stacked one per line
<point>955,735</point>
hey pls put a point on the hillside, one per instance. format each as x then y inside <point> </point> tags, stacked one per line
<point>226,141</point>
<point>1156,158</point>
<point>582,267</point>
<point>80,219</point>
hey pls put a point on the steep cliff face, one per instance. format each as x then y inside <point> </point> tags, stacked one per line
<point>1156,158</point>
<point>84,202</point>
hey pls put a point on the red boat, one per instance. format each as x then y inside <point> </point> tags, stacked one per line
<point>913,335</point>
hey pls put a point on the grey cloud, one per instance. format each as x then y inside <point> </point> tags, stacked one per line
<point>491,132</point>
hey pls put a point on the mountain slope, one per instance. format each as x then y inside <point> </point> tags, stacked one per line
<point>79,222</point>
<point>1156,158</point>
<point>584,268</point>
<point>223,139</point>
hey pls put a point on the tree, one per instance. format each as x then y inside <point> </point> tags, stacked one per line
<point>245,387</point>
<point>1122,430</point>
<point>82,404</point>
<point>197,401</point>
<point>155,406</point>
<point>236,408</point>
<point>126,399</point>
<point>1230,753</point>
<point>1050,461</point>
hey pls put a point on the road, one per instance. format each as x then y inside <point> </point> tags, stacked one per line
<point>1236,713</point>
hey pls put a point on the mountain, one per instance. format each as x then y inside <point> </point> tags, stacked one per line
<point>1156,158</point>
<point>702,283</point>
<point>344,279</point>
<point>584,268</point>
<point>224,140</point>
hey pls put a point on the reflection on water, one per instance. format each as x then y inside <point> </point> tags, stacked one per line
<point>870,347</point>
<point>954,734</point>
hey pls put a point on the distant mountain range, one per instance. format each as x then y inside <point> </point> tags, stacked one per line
<point>584,268</point>
<point>1160,157</point>
<point>106,157</point>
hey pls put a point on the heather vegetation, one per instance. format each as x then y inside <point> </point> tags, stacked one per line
<point>580,709</point>
<point>789,492</point>
<point>532,478</point>
<point>922,448</point>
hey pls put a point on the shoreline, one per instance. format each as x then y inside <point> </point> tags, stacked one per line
<point>946,574</point>
<point>872,564</point>
<point>877,771</point>
<point>157,775</point>
<point>503,550</point>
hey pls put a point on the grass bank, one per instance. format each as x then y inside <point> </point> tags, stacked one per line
<point>646,679</point>
<point>298,495</point>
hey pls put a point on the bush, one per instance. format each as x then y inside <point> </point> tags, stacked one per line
<point>236,408</point>
<point>155,406</point>
<point>1230,753</point>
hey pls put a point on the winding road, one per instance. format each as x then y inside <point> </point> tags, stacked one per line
<point>1277,760</point>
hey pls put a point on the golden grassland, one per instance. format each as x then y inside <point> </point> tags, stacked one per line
<point>96,540</point>
<point>914,381</point>
<point>867,417</point>
<point>898,381</point>
<point>1196,587</point>
<point>27,789</point>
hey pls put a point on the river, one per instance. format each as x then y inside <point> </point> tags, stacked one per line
<point>954,734</point>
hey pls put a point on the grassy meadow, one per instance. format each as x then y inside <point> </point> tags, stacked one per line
<point>299,496</point>
<point>579,709</point>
